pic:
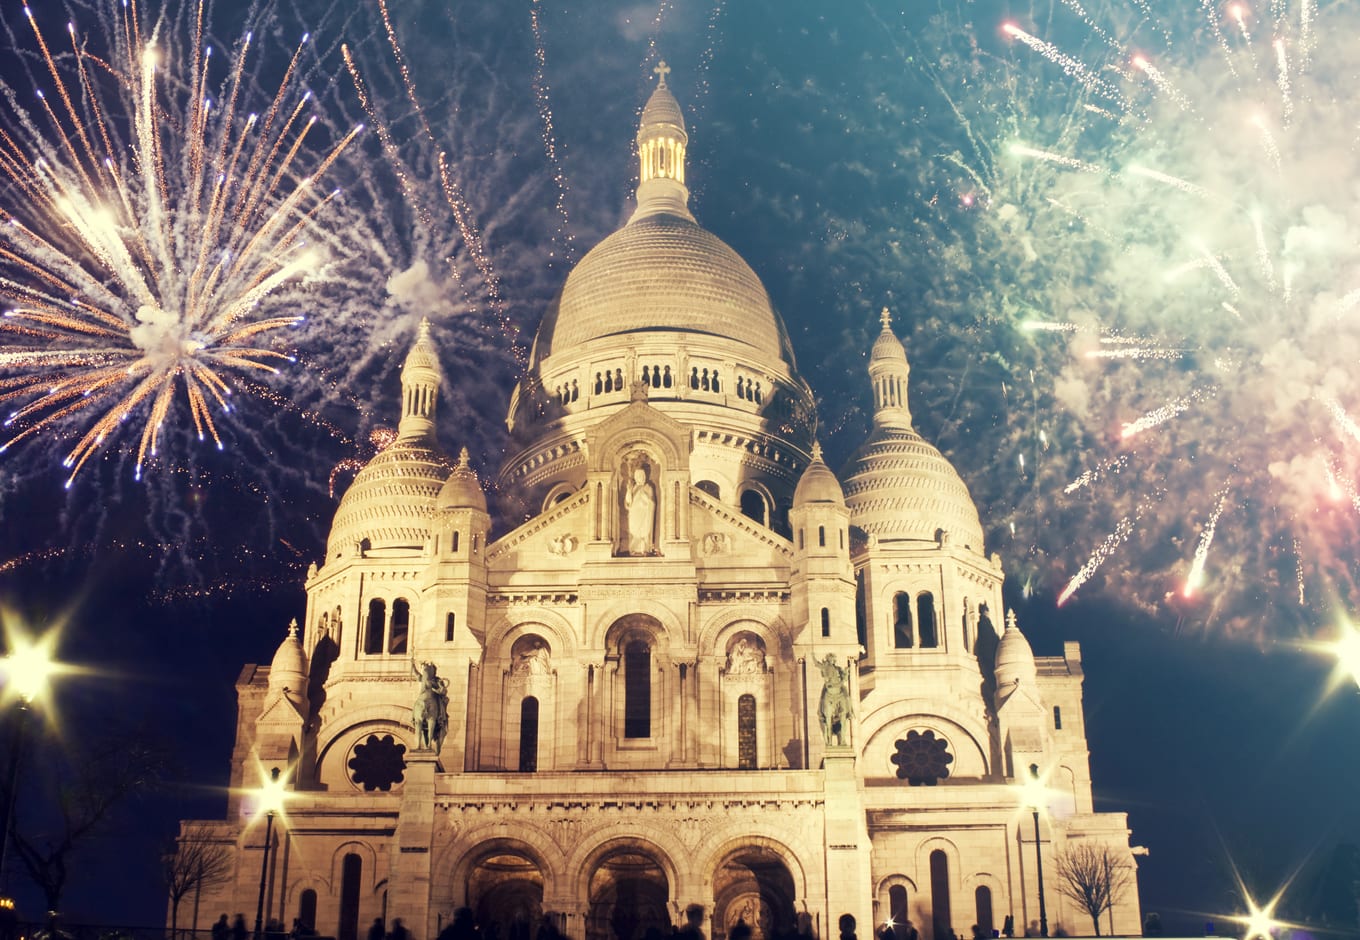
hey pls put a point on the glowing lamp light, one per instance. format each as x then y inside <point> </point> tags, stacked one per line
<point>31,664</point>
<point>1259,923</point>
<point>271,794</point>
<point>1346,649</point>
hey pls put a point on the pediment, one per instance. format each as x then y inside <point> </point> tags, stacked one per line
<point>722,536</point>
<point>279,709</point>
<point>553,537</point>
<point>639,424</point>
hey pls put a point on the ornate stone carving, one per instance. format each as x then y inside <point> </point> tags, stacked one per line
<point>562,545</point>
<point>717,543</point>
<point>746,656</point>
<point>531,657</point>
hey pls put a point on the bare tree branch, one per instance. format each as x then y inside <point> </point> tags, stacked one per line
<point>200,859</point>
<point>1093,876</point>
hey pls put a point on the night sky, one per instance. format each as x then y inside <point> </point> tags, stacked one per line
<point>847,152</point>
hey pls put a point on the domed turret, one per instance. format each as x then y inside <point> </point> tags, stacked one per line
<point>391,501</point>
<point>818,484</point>
<point>1014,659</point>
<point>288,671</point>
<point>898,487</point>
<point>462,490</point>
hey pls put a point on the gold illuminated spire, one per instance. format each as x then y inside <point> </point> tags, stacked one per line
<point>661,143</point>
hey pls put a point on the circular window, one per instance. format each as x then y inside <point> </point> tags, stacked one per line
<point>377,763</point>
<point>922,759</point>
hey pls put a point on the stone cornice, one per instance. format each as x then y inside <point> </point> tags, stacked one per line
<point>532,599</point>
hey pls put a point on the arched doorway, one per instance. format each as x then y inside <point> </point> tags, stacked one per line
<point>506,889</point>
<point>753,885</point>
<point>629,895</point>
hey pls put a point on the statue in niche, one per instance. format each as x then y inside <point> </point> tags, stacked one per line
<point>430,713</point>
<point>639,506</point>
<point>747,656</point>
<point>532,658</point>
<point>834,708</point>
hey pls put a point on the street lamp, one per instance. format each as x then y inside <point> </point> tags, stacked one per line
<point>269,802</point>
<point>1035,795</point>
<point>27,669</point>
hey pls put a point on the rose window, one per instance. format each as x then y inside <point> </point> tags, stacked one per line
<point>377,763</point>
<point>922,759</point>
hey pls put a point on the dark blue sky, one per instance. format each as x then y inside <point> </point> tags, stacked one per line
<point>821,149</point>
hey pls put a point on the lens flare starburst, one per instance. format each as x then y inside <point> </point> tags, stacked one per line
<point>149,224</point>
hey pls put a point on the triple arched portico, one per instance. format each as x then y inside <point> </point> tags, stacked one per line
<point>617,883</point>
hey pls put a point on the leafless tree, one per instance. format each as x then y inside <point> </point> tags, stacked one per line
<point>1095,876</point>
<point>198,860</point>
<point>85,791</point>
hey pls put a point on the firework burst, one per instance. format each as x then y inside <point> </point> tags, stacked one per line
<point>149,226</point>
<point>1211,181</point>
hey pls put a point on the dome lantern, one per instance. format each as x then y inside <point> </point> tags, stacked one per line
<point>661,143</point>
<point>889,371</point>
<point>420,378</point>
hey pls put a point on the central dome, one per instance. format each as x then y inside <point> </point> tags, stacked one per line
<point>664,273</point>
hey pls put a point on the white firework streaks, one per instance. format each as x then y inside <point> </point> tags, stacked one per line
<point>1218,179</point>
<point>155,231</point>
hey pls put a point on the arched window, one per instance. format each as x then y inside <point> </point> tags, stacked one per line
<point>376,626</point>
<point>753,506</point>
<point>1057,718</point>
<point>637,690</point>
<point>800,540</point>
<point>897,905</point>
<point>448,627</point>
<point>709,487</point>
<point>401,626</point>
<point>746,732</point>
<point>925,617</point>
<point>902,635</point>
<point>826,621</point>
<point>983,898</point>
<point>351,871</point>
<point>454,547</point>
<point>528,735</point>
<point>939,894</point>
<point>861,614</point>
<point>821,536</point>
<point>307,909</point>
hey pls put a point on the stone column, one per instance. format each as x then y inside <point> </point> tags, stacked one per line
<point>849,879</point>
<point>409,891</point>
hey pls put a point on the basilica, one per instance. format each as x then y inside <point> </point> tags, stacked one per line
<point>689,676</point>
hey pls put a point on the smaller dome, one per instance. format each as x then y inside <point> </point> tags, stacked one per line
<point>818,484</point>
<point>462,490</point>
<point>288,671</point>
<point>661,107</point>
<point>1015,658</point>
<point>423,354</point>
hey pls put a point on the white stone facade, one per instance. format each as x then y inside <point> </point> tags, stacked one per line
<point>634,673</point>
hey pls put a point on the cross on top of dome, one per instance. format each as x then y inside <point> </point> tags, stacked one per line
<point>886,318</point>
<point>661,70</point>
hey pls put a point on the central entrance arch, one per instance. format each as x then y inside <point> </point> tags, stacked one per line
<point>506,890</point>
<point>628,897</point>
<point>754,886</point>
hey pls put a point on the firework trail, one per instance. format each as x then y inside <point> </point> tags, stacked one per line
<point>152,231</point>
<point>1216,175</point>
